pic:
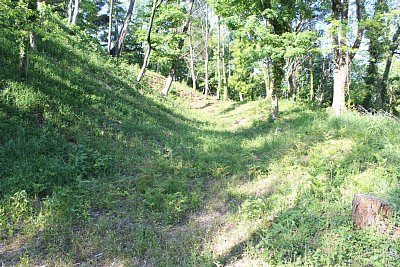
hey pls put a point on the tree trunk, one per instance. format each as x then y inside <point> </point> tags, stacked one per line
<point>116,50</point>
<point>115,23</point>
<point>325,77</point>
<point>224,69</point>
<point>110,25</point>
<point>172,71</point>
<point>76,11</point>
<point>32,41</point>
<point>340,77</point>
<point>374,48</point>
<point>341,56</point>
<point>69,12</point>
<point>295,76</point>
<point>312,91</point>
<point>278,76</point>
<point>149,47</point>
<point>192,70</point>
<point>241,99</point>
<point>391,96</point>
<point>393,46</point>
<point>288,75</point>
<point>206,81</point>
<point>219,60</point>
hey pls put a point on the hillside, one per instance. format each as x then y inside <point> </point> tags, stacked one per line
<point>93,174</point>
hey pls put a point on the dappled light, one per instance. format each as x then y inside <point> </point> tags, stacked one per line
<point>98,168</point>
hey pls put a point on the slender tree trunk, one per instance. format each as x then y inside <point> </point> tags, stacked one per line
<point>69,12</point>
<point>149,47</point>
<point>224,67</point>
<point>76,11</point>
<point>384,83</point>
<point>229,59</point>
<point>115,22</point>
<point>266,79</point>
<point>289,75</point>
<point>295,77</point>
<point>32,41</point>
<point>391,93</point>
<point>206,81</point>
<point>325,70</point>
<point>192,70</point>
<point>312,90</point>
<point>278,76</point>
<point>116,50</point>
<point>110,25</point>
<point>241,98</point>
<point>219,60</point>
<point>172,71</point>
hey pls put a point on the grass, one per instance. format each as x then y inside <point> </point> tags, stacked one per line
<point>93,174</point>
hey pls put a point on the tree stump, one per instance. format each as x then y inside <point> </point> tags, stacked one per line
<point>369,210</point>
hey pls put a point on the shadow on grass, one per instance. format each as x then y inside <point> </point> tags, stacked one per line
<point>116,168</point>
<point>315,228</point>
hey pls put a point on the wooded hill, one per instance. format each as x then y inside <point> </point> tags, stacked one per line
<point>101,165</point>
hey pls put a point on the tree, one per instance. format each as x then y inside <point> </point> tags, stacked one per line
<point>76,11</point>
<point>342,54</point>
<point>219,59</point>
<point>172,71</point>
<point>146,60</point>
<point>393,46</point>
<point>206,55</point>
<point>116,50</point>
<point>191,50</point>
<point>110,25</point>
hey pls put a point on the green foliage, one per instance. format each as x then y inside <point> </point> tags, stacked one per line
<point>93,173</point>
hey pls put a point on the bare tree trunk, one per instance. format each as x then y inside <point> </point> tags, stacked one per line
<point>391,96</point>
<point>116,50</point>
<point>289,75</point>
<point>149,47</point>
<point>393,46</point>
<point>325,70</point>
<point>312,90</point>
<point>340,77</point>
<point>219,60</point>
<point>76,11</point>
<point>32,41</point>
<point>69,12</point>
<point>241,98</point>
<point>172,71</point>
<point>224,67</point>
<point>192,59</point>
<point>229,59</point>
<point>278,76</point>
<point>116,22</point>
<point>295,76</point>
<point>110,25</point>
<point>206,81</point>
<point>266,79</point>
<point>274,105</point>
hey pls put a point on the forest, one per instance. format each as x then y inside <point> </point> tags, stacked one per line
<point>198,132</point>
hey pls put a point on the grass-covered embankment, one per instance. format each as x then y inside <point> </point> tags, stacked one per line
<point>93,174</point>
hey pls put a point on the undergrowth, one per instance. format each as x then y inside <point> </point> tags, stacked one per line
<point>94,174</point>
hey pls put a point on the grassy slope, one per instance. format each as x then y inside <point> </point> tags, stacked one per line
<point>92,174</point>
